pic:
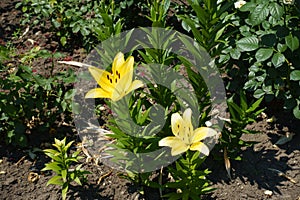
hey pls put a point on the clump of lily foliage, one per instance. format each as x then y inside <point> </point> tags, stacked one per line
<point>183,140</point>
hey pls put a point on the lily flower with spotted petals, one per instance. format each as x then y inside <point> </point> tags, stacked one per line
<point>117,84</point>
<point>185,137</point>
<point>113,85</point>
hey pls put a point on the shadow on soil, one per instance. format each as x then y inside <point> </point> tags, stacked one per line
<point>262,163</point>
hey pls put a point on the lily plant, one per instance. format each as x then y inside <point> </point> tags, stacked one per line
<point>189,180</point>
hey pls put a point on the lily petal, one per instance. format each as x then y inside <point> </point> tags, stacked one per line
<point>176,144</point>
<point>118,62</point>
<point>121,87</point>
<point>125,73</point>
<point>98,93</point>
<point>103,78</point>
<point>117,94</point>
<point>187,134</point>
<point>134,85</point>
<point>120,92</point>
<point>125,82</point>
<point>199,146</point>
<point>202,133</point>
<point>177,124</point>
<point>127,67</point>
<point>187,116</point>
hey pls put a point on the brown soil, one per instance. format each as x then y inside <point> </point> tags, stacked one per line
<point>251,177</point>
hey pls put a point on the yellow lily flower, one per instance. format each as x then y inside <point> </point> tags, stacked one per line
<point>185,137</point>
<point>117,84</point>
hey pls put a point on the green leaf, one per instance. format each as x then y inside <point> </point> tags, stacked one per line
<point>64,191</point>
<point>107,19</point>
<point>70,160</point>
<point>296,112</point>
<point>84,31</point>
<point>235,53</point>
<point>76,108</point>
<point>220,33</point>
<point>78,167</point>
<point>63,41</point>
<point>51,152</point>
<point>195,155</point>
<point>55,180</point>
<point>292,42</point>
<point>254,106</point>
<point>64,105</point>
<point>276,10</point>
<point>64,175</point>
<point>243,101</point>
<point>295,75</point>
<point>52,166</point>
<point>68,145</point>
<point>249,6</point>
<point>259,93</point>
<point>76,28</point>
<point>247,43</point>
<point>281,47</point>
<point>56,23</point>
<point>75,154</point>
<point>200,12</point>
<point>278,59</point>
<point>77,180</point>
<point>263,54</point>
<point>259,14</point>
<point>234,107</point>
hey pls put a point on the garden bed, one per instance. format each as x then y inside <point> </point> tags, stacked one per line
<point>265,171</point>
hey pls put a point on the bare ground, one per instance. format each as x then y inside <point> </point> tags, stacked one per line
<point>264,167</point>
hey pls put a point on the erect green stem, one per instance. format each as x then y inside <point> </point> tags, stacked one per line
<point>189,156</point>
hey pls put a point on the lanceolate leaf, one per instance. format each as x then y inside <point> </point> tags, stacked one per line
<point>255,105</point>
<point>64,175</point>
<point>200,12</point>
<point>55,180</point>
<point>54,166</point>
<point>64,191</point>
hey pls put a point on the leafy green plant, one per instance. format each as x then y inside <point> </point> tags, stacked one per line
<point>263,56</point>
<point>138,132</point>
<point>158,12</point>
<point>4,54</point>
<point>61,164</point>
<point>89,21</point>
<point>208,22</point>
<point>29,100</point>
<point>189,180</point>
<point>241,115</point>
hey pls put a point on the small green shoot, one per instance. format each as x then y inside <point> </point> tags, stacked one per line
<point>61,163</point>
